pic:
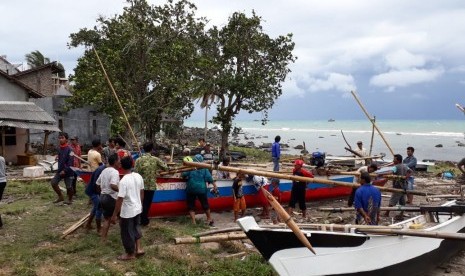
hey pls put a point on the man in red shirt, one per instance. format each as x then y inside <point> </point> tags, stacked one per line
<point>77,162</point>
<point>299,189</point>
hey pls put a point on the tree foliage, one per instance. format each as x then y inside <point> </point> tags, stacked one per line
<point>243,69</point>
<point>150,54</point>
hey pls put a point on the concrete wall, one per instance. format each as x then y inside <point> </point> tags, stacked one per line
<point>11,152</point>
<point>76,122</point>
<point>10,91</point>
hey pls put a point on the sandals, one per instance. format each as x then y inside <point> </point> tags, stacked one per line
<point>140,254</point>
<point>211,223</point>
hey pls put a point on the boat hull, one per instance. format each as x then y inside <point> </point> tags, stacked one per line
<point>170,197</point>
<point>353,253</point>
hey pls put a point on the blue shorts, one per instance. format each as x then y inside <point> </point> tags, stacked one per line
<point>410,182</point>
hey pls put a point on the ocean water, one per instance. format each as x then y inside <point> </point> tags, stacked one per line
<point>326,136</point>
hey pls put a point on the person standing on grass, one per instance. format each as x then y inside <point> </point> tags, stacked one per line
<point>367,201</point>
<point>77,162</point>
<point>65,162</point>
<point>108,150</point>
<point>129,206</point>
<point>299,189</point>
<point>2,182</point>
<point>94,155</point>
<point>238,194</point>
<point>149,167</point>
<point>196,187</point>
<point>107,183</point>
<point>276,153</point>
<point>411,162</point>
<point>93,192</point>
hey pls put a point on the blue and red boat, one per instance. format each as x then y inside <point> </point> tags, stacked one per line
<point>170,196</point>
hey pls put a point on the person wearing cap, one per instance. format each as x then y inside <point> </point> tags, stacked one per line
<point>196,188</point>
<point>367,201</point>
<point>77,162</point>
<point>362,152</point>
<point>299,188</point>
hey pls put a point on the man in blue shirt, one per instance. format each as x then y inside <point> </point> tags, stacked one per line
<point>276,153</point>
<point>367,201</point>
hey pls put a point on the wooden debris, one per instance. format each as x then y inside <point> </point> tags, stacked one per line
<point>75,226</point>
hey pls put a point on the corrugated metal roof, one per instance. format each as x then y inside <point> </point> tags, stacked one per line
<point>24,111</point>
<point>29,125</point>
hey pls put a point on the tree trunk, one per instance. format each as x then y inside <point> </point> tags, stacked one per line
<point>224,144</point>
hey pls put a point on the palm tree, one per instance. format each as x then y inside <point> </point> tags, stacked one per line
<point>36,58</point>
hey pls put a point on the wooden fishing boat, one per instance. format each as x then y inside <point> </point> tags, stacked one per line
<point>365,251</point>
<point>170,196</point>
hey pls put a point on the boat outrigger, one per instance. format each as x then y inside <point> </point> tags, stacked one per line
<point>411,247</point>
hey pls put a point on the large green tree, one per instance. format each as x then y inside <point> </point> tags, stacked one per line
<point>243,68</point>
<point>150,54</point>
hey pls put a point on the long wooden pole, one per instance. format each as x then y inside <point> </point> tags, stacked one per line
<point>296,178</point>
<point>287,219</point>
<point>372,135</point>
<point>351,209</point>
<point>423,234</point>
<point>118,101</point>
<point>372,121</point>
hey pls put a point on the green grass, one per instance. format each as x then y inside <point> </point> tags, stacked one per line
<point>31,245</point>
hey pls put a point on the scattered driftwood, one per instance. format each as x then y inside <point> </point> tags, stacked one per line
<point>75,226</point>
<point>27,179</point>
<point>235,255</point>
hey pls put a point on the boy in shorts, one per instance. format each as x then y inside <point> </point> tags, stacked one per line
<point>238,194</point>
<point>108,182</point>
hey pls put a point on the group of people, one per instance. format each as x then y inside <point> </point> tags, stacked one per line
<point>119,189</point>
<point>366,199</point>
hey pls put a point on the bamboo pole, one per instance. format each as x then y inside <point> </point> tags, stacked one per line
<point>372,135</point>
<point>296,178</point>
<point>423,234</point>
<point>344,137</point>
<point>287,219</point>
<point>333,227</point>
<point>358,158</point>
<point>176,171</point>
<point>351,209</point>
<point>388,176</point>
<point>118,101</point>
<point>219,231</point>
<point>75,156</point>
<point>248,165</point>
<point>216,238</point>
<point>374,124</point>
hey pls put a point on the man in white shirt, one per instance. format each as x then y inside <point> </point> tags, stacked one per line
<point>362,152</point>
<point>108,183</point>
<point>129,205</point>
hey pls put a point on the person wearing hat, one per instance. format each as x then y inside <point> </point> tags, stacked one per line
<point>362,152</point>
<point>196,188</point>
<point>299,189</point>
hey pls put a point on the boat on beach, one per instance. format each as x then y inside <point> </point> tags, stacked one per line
<point>170,197</point>
<point>407,249</point>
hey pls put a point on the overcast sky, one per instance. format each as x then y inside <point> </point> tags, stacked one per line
<point>405,59</point>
